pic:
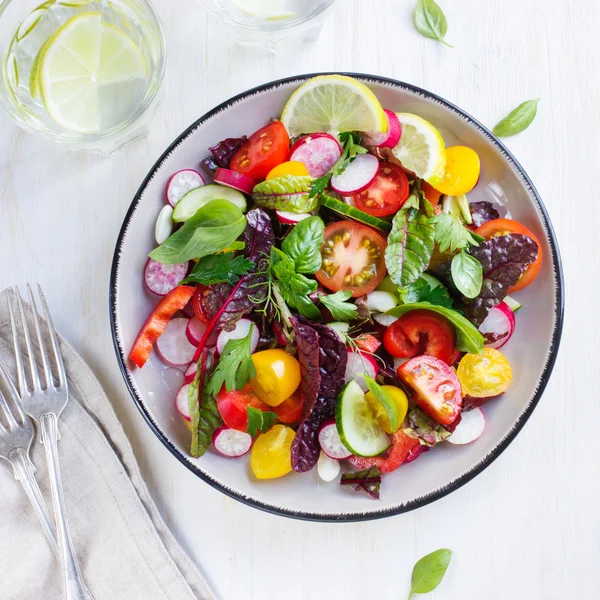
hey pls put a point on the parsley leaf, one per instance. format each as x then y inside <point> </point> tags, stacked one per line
<point>235,366</point>
<point>422,291</point>
<point>219,268</point>
<point>259,420</point>
<point>338,307</point>
<point>451,234</point>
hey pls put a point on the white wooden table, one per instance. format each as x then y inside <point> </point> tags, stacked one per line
<point>526,528</point>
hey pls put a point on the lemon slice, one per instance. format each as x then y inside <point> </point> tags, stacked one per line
<point>333,103</point>
<point>90,74</point>
<point>421,148</point>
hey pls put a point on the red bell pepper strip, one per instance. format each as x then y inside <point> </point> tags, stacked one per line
<point>157,322</point>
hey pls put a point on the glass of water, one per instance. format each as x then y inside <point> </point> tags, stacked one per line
<point>271,24</point>
<point>82,72</point>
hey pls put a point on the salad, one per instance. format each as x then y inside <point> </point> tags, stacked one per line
<point>334,298</point>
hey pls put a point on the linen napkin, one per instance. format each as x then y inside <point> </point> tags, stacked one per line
<point>125,550</point>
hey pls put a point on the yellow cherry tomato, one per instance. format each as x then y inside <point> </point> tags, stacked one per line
<point>291,167</point>
<point>271,455</point>
<point>398,397</point>
<point>462,171</point>
<point>484,375</point>
<point>277,376</point>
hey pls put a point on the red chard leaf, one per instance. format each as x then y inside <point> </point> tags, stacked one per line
<point>482,212</point>
<point>223,152</point>
<point>368,480</point>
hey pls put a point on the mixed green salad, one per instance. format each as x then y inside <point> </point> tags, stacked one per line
<point>333,297</point>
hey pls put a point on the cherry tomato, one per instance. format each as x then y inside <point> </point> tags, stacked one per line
<point>402,446</point>
<point>277,375</point>
<point>271,455</point>
<point>398,397</point>
<point>290,410</point>
<point>367,342</point>
<point>233,406</point>
<point>484,375</point>
<point>291,167</point>
<point>462,171</point>
<point>431,193</point>
<point>437,388</point>
<point>497,227</point>
<point>198,303</point>
<point>388,192</point>
<point>353,258</point>
<point>421,331</point>
<point>264,150</point>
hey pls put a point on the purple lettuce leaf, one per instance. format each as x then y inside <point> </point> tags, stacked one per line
<point>223,152</point>
<point>368,480</point>
<point>323,358</point>
<point>482,212</point>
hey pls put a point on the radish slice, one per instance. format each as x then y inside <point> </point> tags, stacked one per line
<point>181,183</point>
<point>380,302</point>
<point>391,137</point>
<point>160,279</point>
<point>498,326</point>
<point>164,224</point>
<point>470,427</point>
<point>173,346</point>
<point>182,403</point>
<point>318,152</point>
<point>190,372</point>
<point>195,330</point>
<point>415,453</point>
<point>242,327</point>
<point>231,442</point>
<point>290,218</point>
<point>327,468</point>
<point>330,442</point>
<point>360,364</point>
<point>383,319</point>
<point>235,180</point>
<point>357,176</point>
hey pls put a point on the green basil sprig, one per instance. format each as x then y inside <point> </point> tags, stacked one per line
<point>429,571</point>
<point>467,274</point>
<point>303,245</point>
<point>430,21</point>
<point>517,120</point>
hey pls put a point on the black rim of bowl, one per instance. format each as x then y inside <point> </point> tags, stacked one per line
<point>417,502</point>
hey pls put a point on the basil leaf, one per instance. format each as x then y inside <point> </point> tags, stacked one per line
<point>303,245</point>
<point>259,420</point>
<point>468,338</point>
<point>517,120</point>
<point>219,268</point>
<point>410,246</point>
<point>384,399</point>
<point>288,192</point>
<point>451,234</point>
<point>338,307</point>
<point>429,571</point>
<point>430,21</point>
<point>467,274</point>
<point>213,227</point>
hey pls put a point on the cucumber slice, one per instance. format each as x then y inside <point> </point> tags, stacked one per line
<point>341,329</point>
<point>358,429</point>
<point>354,213</point>
<point>431,281</point>
<point>381,302</point>
<point>198,197</point>
<point>512,304</point>
<point>458,206</point>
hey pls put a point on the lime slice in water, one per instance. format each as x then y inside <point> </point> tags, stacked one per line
<point>90,74</point>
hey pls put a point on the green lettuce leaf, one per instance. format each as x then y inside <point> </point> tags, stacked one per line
<point>288,192</point>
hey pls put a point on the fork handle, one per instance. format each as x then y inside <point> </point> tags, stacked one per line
<point>73,582</point>
<point>24,469</point>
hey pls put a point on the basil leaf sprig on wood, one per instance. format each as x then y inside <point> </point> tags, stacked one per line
<point>517,120</point>
<point>430,21</point>
<point>429,571</point>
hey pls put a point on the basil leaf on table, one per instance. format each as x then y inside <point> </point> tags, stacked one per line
<point>213,227</point>
<point>259,420</point>
<point>468,338</point>
<point>384,399</point>
<point>287,192</point>
<point>467,274</point>
<point>340,309</point>
<point>517,120</point>
<point>430,21</point>
<point>429,571</point>
<point>303,245</point>
<point>219,268</point>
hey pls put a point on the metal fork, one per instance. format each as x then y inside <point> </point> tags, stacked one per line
<point>44,406</point>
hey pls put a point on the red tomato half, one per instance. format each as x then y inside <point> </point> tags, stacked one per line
<point>437,388</point>
<point>402,447</point>
<point>198,305</point>
<point>497,227</point>
<point>388,192</point>
<point>353,258</point>
<point>264,150</point>
<point>421,332</point>
<point>289,411</point>
<point>233,406</point>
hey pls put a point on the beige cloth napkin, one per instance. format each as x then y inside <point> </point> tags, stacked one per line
<point>125,550</point>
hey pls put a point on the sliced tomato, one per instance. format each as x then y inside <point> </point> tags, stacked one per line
<point>233,406</point>
<point>437,388</point>
<point>497,227</point>
<point>367,342</point>
<point>353,258</point>
<point>289,411</point>
<point>263,151</point>
<point>402,447</point>
<point>198,303</point>
<point>157,322</point>
<point>388,192</point>
<point>431,193</point>
<point>421,332</point>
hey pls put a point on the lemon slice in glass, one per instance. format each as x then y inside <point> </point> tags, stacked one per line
<point>90,74</point>
<point>421,148</point>
<point>333,103</point>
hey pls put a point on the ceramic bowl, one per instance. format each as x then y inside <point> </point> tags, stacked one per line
<point>532,351</point>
